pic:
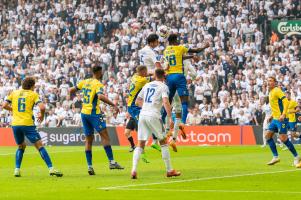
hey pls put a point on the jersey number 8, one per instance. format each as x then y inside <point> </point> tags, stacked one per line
<point>171,60</point>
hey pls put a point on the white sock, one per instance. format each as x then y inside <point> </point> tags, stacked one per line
<point>166,157</point>
<point>264,140</point>
<point>176,128</point>
<point>136,157</point>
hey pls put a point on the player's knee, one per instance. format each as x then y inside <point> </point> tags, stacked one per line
<point>283,137</point>
<point>268,135</point>
<point>22,146</point>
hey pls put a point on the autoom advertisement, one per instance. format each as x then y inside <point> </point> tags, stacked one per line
<point>196,135</point>
<point>287,27</point>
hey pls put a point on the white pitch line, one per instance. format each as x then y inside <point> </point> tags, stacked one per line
<point>195,179</point>
<point>215,191</point>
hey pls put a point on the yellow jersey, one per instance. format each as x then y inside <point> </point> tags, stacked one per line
<point>137,83</point>
<point>22,102</point>
<point>291,107</point>
<point>90,89</point>
<point>277,101</point>
<point>173,55</point>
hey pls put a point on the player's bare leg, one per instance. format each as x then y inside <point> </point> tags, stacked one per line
<point>127,133</point>
<point>105,140</point>
<point>45,156</point>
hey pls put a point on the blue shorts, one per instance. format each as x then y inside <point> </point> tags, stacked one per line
<point>134,112</point>
<point>91,122</point>
<point>30,132</point>
<point>176,82</point>
<point>292,126</point>
<point>277,126</point>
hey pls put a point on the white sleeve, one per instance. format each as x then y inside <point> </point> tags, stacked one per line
<point>165,91</point>
<point>192,71</point>
<point>141,93</point>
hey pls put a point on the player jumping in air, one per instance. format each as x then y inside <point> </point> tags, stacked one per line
<point>149,57</point>
<point>279,106</point>
<point>21,103</point>
<point>151,98</point>
<point>92,90</point>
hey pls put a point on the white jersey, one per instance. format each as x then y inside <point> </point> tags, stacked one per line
<point>152,94</point>
<point>148,57</point>
<point>267,110</point>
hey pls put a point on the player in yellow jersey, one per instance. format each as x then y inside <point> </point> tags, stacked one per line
<point>21,103</point>
<point>279,106</point>
<point>92,91</point>
<point>139,79</point>
<point>292,119</point>
<point>175,79</point>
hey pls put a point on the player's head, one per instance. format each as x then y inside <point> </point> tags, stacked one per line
<point>28,83</point>
<point>97,72</point>
<point>153,40</point>
<point>141,70</point>
<point>159,74</point>
<point>288,95</point>
<point>173,39</point>
<point>272,82</point>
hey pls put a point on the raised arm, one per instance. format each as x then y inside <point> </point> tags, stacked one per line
<point>200,49</point>
<point>6,105</point>
<point>104,99</point>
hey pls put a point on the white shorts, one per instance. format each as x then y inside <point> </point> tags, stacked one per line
<point>148,125</point>
<point>176,103</point>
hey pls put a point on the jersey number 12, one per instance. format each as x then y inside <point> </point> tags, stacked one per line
<point>149,94</point>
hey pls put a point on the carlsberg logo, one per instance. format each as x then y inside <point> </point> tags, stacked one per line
<point>289,29</point>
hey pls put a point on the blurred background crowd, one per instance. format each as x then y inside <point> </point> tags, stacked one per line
<point>59,41</point>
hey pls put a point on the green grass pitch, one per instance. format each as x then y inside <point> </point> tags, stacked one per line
<point>209,172</point>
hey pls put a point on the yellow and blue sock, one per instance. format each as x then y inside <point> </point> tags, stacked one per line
<point>89,157</point>
<point>45,157</point>
<point>291,147</point>
<point>272,147</point>
<point>19,157</point>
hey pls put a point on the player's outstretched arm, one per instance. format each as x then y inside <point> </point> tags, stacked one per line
<point>139,102</point>
<point>104,99</point>
<point>72,90</point>
<point>198,50</point>
<point>6,106</point>
<point>167,108</point>
<point>42,112</point>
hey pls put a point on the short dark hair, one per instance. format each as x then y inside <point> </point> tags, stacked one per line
<point>28,83</point>
<point>160,73</point>
<point>140,68</point>
<point>152,38</point>
<point>96,69</point>
<point>173,38</point>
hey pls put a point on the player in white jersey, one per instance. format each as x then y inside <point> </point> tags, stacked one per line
<point>267,112</point>
<point>151,98</point>
<point>148,56</point>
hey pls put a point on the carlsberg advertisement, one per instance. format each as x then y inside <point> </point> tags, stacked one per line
<point>289,27</point>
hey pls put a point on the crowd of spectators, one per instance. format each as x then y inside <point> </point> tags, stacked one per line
<point>59,41</point>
